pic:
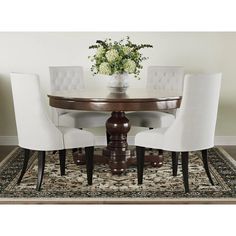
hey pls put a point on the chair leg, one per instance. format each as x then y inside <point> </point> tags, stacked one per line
<point>89,151</point>
<point>205,163</point>
<point>185,170</point>
<point>62,157</point>
<point>160,152</point>
<point>174,156</point>
<point>74,150</point>
<point>25,164</point>
<point>41,165</point>
<point>140,151</point>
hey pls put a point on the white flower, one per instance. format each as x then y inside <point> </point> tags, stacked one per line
<point>100,51</point>
<point>127,50</point>
<point>105,68</point>
<point>129,66</point>
<point>112,55</point>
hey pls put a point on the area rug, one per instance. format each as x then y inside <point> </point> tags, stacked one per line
<point>159,186</point>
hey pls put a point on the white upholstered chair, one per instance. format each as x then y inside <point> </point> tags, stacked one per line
<point>71,78</point>
<point>167,78</point>
<point>193,128</point>
<point>37,132</point>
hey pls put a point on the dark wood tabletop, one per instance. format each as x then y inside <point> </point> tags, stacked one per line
<point>103,100</point>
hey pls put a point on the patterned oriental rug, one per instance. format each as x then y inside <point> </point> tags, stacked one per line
<point>159,185</point>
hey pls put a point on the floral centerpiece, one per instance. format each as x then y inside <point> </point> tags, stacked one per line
<point>117,59</point>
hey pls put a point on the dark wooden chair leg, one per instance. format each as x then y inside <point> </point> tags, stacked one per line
<point>174,156</point>
<point>25,164</point>
<point>89,152</point>
<point>62,157</point>
<point>41,165</point>
<point>160,152</point>
<point>140,151</point>
<point>74,150</point>
<point>205,163</point>
<point>184,156</point>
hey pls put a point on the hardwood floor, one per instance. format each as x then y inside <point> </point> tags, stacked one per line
<point>5,150</point>
<point>231,150</point>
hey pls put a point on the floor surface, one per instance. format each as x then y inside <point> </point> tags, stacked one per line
<point>5,150</point>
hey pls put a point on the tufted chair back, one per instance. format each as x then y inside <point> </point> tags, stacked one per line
<point>66,78</point>
<point>165,78</point>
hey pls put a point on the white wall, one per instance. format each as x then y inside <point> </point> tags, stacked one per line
<point>197,52</point>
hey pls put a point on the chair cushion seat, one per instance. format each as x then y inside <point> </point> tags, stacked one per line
<point>83,119</point>
<point>151,138</point>
<point>152,119</point>
<point>75,138</point>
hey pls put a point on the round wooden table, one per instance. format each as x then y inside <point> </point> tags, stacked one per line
<point>117,151</point>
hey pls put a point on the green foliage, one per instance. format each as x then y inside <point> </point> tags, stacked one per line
<point>117,57</point>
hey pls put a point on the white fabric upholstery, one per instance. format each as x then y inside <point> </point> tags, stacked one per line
<point>66,78</point>
<point>194,127</point>
<point>150,119</point>
<point>76,138</point>
<point>34,128</point>
<point>84,119</point>
<point>169,78</point>
<point>71,78</point>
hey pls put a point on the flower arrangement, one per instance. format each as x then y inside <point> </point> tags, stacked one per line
<point>117,57</point>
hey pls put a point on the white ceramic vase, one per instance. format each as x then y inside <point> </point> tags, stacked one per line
<point>118,83</point>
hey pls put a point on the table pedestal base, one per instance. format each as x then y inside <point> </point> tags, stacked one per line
<point>118,161</point>
<point>117,154</point>
<point>117,150</point>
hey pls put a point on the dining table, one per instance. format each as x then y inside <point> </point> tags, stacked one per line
<point>117,153</point>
